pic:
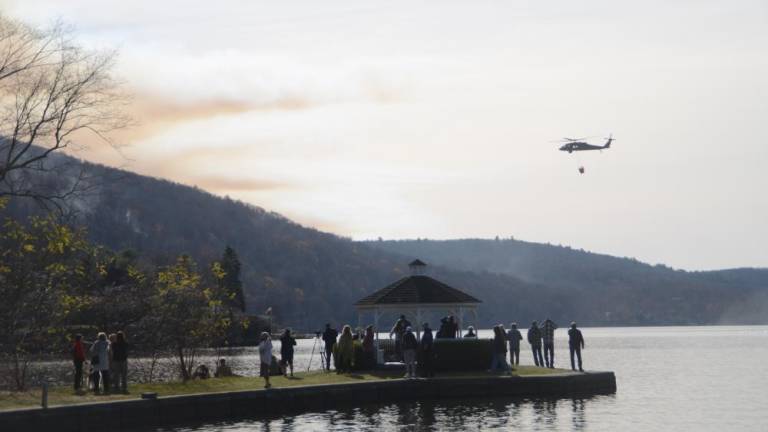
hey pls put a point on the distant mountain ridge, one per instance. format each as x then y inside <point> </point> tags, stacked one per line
<point>309,277</point>
<point>658,294</point>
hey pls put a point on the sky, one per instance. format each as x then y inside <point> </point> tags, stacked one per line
<point>438,119</point>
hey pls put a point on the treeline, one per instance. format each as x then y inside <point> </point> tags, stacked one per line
<point>55,283</point>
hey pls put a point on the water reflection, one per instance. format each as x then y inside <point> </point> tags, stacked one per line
<point>459,415</point>
<point>578,420</point>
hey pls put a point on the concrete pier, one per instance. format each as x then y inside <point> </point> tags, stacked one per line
<point>173,410</point>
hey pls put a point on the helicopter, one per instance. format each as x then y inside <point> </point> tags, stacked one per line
<point>577,144</point>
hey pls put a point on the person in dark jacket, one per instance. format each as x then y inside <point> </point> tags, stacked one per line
<point>548,334</point>
<point>410,344</point>
<point>534,338</point>
<point>287,342</point>
<point>329,338</point>
<point>427,353</point>
<point>470,333</point>
<point>514,337</point>
<point>575,345</point>
<point>453,328</point>
<point>442,331</point>
<point>369,348</point>
<point>120,363</point>
<point>398,331</point>
<point>78,358</point>
<point>499,355</point>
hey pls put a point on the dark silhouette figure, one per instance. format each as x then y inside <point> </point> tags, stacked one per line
<point>369,348</point>
<point>514,337</point>
<point>398,331</point>
<point>78,357</point>
<point>329,338</point>
<point>287,342</point>
<point>120,362</point>
<point>548,334</point>
<point>575,345</point>
<point>534,338</point>
<point>453,328</point>
<point>499,355</point>
<point>427,353</point>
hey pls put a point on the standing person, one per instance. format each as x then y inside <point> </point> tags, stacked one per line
<point>471,333</point>
<point>329,338</point>
<point>100,361</point>
<point>287,342</point>
<point>78,358</point>
<point>398,330</point>
<point>453,328</point>
<point>514,337</point>
<point>345,351</point>
<point>499,346</point>
<point>548,333</point>
<point>443,330</point>
<point>575,345</point>
<point>120,362</point>
<point>369,348</point>
<point>427,354</point>
<point>410,344</point>
<point>534,338</point>
<point>265,358</point>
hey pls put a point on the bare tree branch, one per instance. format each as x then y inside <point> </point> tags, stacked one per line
<point>52,92</point>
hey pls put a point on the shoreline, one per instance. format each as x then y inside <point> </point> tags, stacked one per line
<point>134,414</point>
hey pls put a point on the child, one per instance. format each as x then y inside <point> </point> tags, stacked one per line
<point>265,356</point>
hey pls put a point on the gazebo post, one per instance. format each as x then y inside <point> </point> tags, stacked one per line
<point>359,318</point>
<point>418,323</point>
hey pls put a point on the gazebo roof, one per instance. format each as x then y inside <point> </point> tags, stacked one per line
<point>417,289</point>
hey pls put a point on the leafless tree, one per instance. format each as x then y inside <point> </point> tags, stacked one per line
<point>53,94</point>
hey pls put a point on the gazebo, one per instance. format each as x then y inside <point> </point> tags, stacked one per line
<point>415,297</point>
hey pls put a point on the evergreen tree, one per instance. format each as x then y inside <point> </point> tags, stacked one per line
<point>230,281</point>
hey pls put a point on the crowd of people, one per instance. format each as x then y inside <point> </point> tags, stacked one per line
<point>107,360</point>
<point>101,366</point>
<point>107,357</point>
<point>413,351</point>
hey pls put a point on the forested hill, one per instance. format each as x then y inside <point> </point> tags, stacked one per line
<point>626,290</point>
<point>309,277</point>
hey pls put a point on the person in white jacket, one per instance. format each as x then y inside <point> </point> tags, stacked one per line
<point>100,362</point>
<point>265,356</point>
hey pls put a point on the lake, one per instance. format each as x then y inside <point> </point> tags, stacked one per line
<point>669,378</point>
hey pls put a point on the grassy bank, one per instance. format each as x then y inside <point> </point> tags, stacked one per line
<point>66,396</point>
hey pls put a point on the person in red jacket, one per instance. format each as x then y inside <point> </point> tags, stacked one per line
<point>78,357</point>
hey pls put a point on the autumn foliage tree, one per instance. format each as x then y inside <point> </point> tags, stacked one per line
<point>41,262</point>
<point>186,314</point>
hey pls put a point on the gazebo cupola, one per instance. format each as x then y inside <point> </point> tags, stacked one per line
<point>418,267</point>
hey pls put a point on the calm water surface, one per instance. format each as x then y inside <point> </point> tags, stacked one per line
<point>668,378</point>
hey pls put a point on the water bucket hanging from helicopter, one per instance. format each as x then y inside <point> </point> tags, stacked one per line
<point>583,153</point>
